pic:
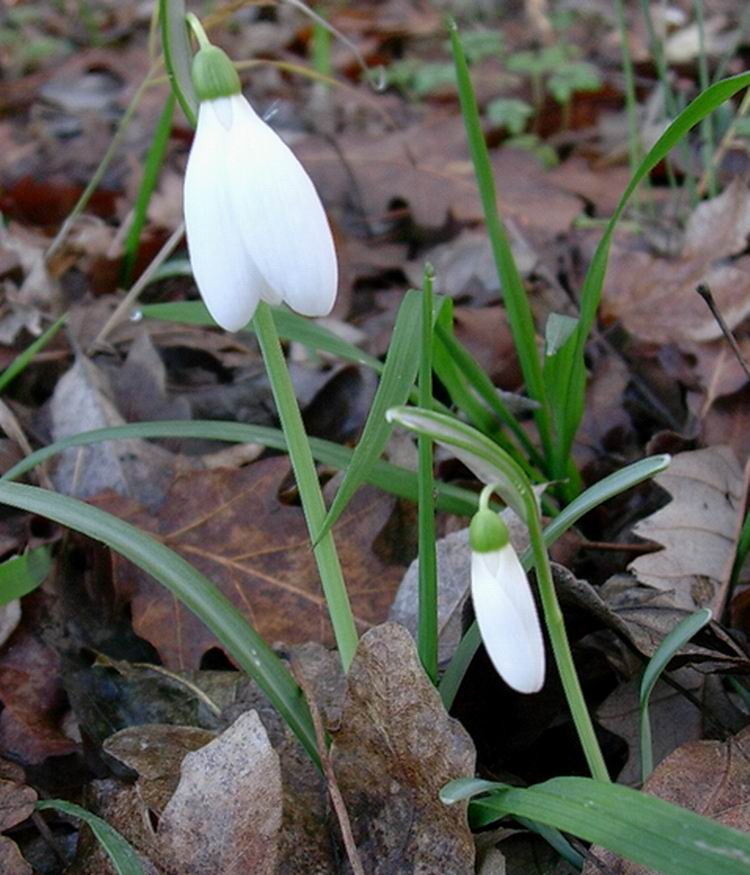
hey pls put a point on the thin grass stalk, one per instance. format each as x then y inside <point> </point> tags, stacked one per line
<point>98,174</point>
<point>707,125</point>
<point>514,295</point>
<point>427,637</point>
<point>154,161</point>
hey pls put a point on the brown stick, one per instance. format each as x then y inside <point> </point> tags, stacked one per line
<point>333,788</point>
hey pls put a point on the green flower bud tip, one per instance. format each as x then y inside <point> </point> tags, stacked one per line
<point>487,532</point>
<point>214,75</point>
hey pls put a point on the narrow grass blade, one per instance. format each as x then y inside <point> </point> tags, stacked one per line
<point>484,458</point>
<point>595,495</point>
<point>395,385</point>
<point>390,478</point>
<point>480,382</point>
<point>22,360</point>
<point>290,326</point>
<point>152,168</point>
<point>677,638</point>
<point>634,825</point>
<point>514,294</point>
<point>188,585</point>
<point>573,379</point>
<point>23,574</point>
<point>178,55</point>
<point>427,635</point>
<point>120,852</point>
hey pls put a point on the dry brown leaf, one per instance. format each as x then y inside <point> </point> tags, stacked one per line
<point>31,691</point>
<point>396,748</point>
<point>156,752</point>
<point>232,527</point>
<point>708,777</point>
<point>655,297</point>
<point>698,528</point>
<point>17,802</point>
<point>428,167</point>
<point>225,815</point>
<point>11,861</point>
<point>82,401</point>
<point>675,720</point>
<point>644,617</point>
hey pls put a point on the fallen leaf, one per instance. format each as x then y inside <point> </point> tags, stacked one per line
<point>31,692</point>
<point>396,748</point>
<point>232,527</point>
<point>707,777</point>
<point>644,616</point>
<point>698,529</point>
<point>156,751</point>
<point>674,718</point>
<point>225,815</point>
<point>17,802</point>
<point>655,297</point>
<point>11,861</point>
<point>82,401</point>
<point>427,166</point>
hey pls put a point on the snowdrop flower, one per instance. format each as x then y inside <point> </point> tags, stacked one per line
<point>256,229</point>
<point>503,604</point>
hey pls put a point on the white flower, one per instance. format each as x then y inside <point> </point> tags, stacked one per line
<point>256,229</point>
<point>504,606</point>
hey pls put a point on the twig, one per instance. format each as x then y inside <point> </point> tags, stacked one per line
<point>705,293</point>
<point>143,280</point>
<point>333,788</point>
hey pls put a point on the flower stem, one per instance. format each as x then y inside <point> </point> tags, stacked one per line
<point>428,589</point>
<point>324,550</point>
<point>197,28</point>
<point>561,649</point>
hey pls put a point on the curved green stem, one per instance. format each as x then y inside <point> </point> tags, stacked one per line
<point>561,648</point>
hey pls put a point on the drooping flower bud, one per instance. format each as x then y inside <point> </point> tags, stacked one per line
<point>504,605</point>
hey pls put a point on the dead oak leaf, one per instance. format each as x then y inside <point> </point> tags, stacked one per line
<point>236,778</point>
<point>233,528</point>
<point>698,528</point>
<point>655,297</point>
<point>427,166</point>
<point>397,747</point>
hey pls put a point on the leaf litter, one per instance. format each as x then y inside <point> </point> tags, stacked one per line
<point>114,696</point>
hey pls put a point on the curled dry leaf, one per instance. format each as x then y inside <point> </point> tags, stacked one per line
<point>396,748</point>
<point>698,528</point>
<point>644,616</point>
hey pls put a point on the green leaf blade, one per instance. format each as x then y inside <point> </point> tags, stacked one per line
<point>396,382</point>
<point>635,825</point>
<point>120,852</point>
<point>194,590</point>
<point>22,574</point>
<point>178,55</point>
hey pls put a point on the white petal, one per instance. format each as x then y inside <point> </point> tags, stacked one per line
<point>507,618</point>
<point>282,220</point>
<point>227,279</point>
